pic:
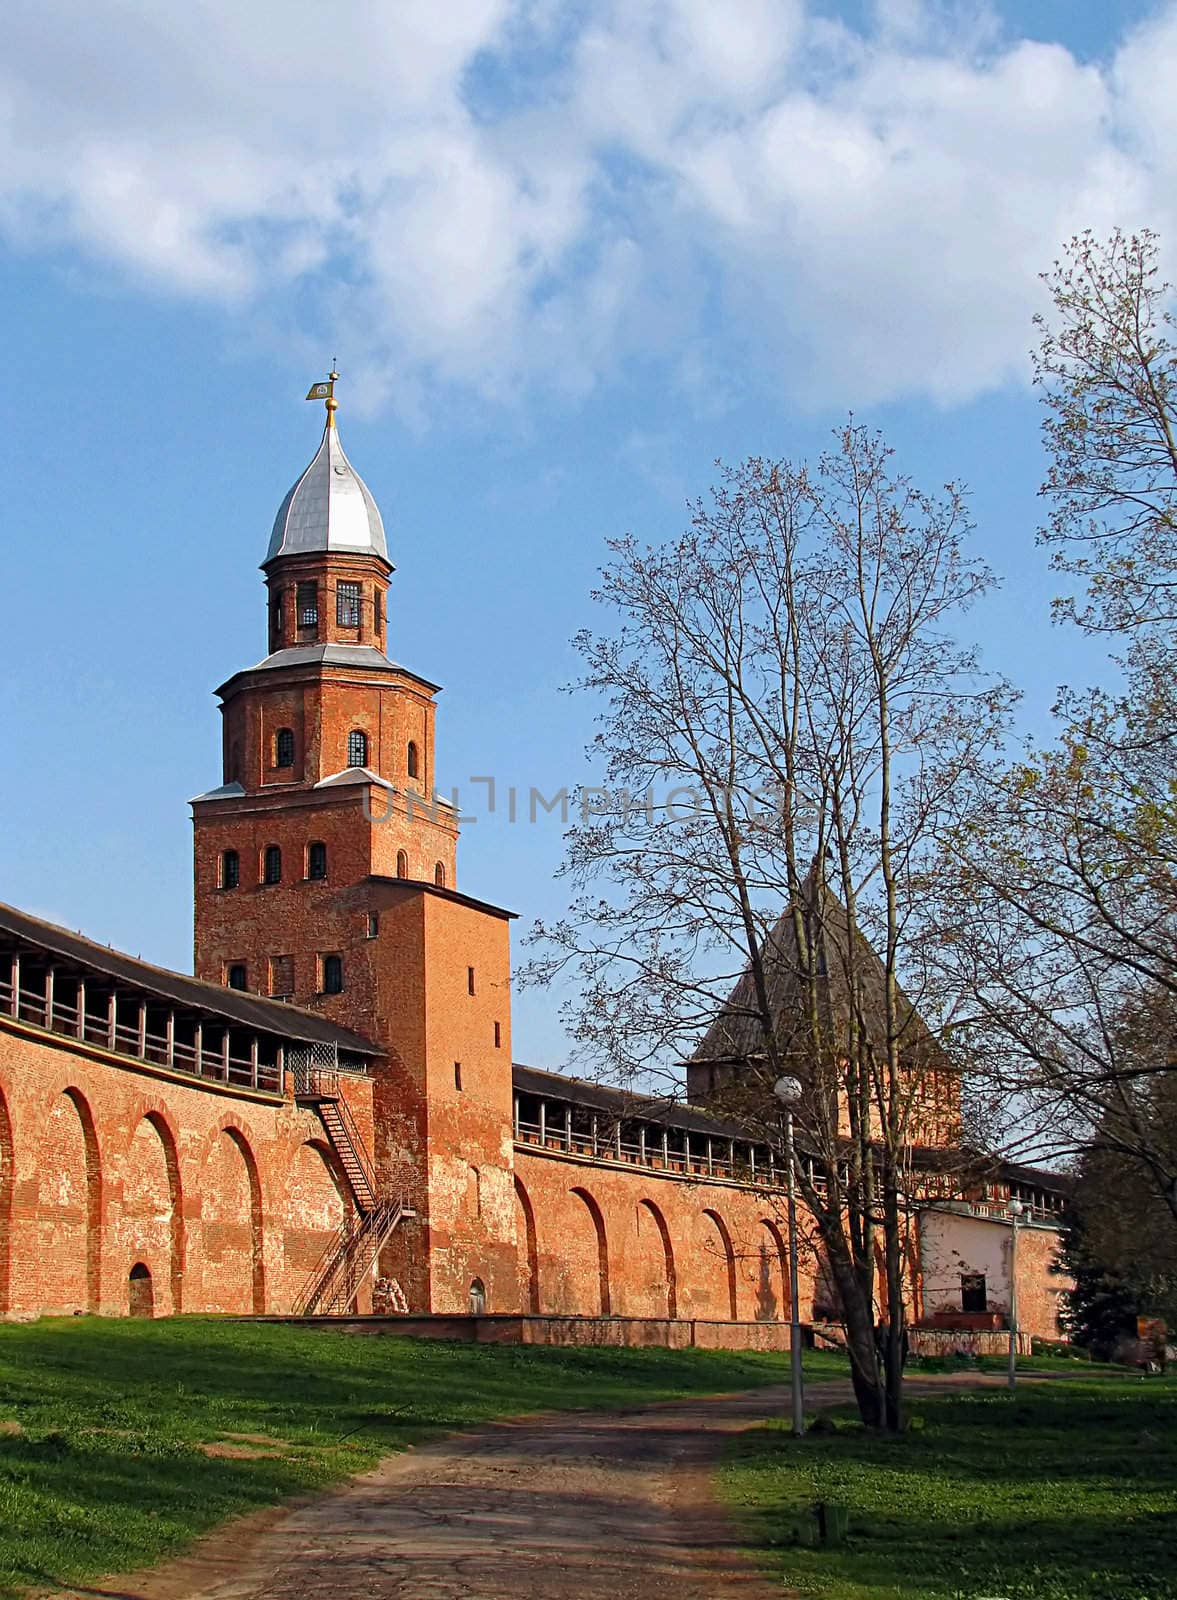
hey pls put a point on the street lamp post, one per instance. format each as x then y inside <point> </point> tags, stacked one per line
<point>1016,1208</point>
<point>788,1092</point>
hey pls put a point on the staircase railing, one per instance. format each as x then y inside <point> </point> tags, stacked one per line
<point>348,1258</point>
<point>351,1253</point>
<point>352,1141</point>
<point>321,1089</point>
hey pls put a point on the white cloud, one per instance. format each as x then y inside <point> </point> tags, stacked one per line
<point>501,193</point>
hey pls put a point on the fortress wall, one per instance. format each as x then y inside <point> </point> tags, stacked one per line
<point>601,1240</point>
<point>130,1189</point>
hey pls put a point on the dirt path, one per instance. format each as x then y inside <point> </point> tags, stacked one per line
<point>600,1507</point>
<point>615,1506</point>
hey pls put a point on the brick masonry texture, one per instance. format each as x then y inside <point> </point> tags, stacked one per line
<point>226,1198</point>
<point>124,1187</point>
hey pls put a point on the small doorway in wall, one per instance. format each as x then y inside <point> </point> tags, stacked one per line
<point>478,1298</point>
<point>141,1294</point>
<point>974,1295</point>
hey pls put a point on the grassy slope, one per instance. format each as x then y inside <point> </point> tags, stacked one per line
<point>108,1474</point>
<point>1065,1491</point>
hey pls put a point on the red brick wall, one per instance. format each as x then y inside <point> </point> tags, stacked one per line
<point>227,1198</point>
<point>725,1244</point>
<point>451,1144</point>
<point>301,917</point>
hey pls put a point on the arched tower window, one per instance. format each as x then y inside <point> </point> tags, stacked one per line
<point>277,618</point>
<point>308,605</point>
<point>272,864</point>
<point>238,977</point>
<point>317,860</point>
<point>347,604</point>
<point>284,747</point>
<point>414,761</point>
<point>402,864</point>
<point>357,748</point>
<point>439,875</point>
<point>332,974</point>
<point>230,869</point>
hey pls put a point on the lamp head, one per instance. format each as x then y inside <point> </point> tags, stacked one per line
<point>1016,1208</point>
<point>787,1090</point>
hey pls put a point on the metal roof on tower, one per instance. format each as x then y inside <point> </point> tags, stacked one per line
<point>330,507</point>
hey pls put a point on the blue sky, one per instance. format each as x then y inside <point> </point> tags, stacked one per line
<point>567,255</point>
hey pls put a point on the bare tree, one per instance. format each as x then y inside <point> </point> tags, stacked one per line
<point>786,715</point>
<point>1065,923</point>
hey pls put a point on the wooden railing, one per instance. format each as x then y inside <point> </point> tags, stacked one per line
<point>712,1159</point>
<point>209,1056</point>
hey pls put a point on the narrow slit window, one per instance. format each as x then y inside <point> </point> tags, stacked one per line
<point>498,1036</point>
<point>373,924</point>
<point>469,980</point>
<point>402,864</point>
<point>413,761</point>
<point>378,612</point>
<point>439,875</point>
<point>457,1075</point>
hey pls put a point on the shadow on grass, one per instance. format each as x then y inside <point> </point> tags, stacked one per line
<point>1060,1493</point>
<point>107,1472</point>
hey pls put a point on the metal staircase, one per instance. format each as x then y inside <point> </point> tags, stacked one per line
<point>352,1253</point>
<point>348,1259</point>
<point>349,1149</point>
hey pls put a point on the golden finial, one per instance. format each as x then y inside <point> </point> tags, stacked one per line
<point>326,393</point>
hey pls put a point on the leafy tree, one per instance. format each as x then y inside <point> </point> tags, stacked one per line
<point>1101,1308</point>
<point>1119,1237</point>
<point>786,715</point>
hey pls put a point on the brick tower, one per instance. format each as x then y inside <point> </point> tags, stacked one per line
<point>325,873</point>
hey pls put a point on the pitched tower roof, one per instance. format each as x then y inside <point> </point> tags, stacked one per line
<point>838,952</point>
<point>330,507</point>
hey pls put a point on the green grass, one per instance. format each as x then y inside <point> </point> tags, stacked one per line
<point>1066,1490</point>
<point>107,1473</point>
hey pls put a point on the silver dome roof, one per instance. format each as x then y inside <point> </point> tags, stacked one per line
<point>329,508</point>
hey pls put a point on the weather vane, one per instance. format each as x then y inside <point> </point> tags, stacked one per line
<point>325,391</point>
